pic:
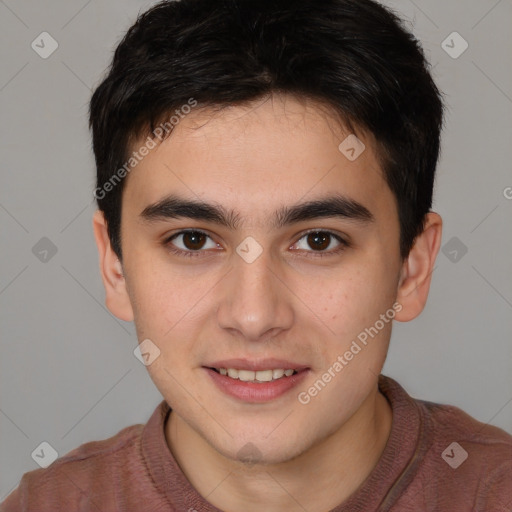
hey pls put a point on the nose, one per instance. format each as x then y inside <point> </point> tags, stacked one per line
<point>255,303</point>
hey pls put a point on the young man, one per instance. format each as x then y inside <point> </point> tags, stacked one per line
<point>265,175</point>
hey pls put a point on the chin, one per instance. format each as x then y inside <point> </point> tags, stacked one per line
<point>258,450</point>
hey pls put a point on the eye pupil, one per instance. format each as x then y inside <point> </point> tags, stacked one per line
<point>319,240</point>
<point>194,240</point>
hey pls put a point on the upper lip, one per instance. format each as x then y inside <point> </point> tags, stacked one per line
<point>257,365</point>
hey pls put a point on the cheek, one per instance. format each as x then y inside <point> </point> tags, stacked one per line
<point>171,307</point>
<point>354,300</point>
<point>156,301</point>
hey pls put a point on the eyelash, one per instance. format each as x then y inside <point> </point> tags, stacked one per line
<point>315,254</point>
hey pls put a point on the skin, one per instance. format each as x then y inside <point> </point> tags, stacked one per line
<point>289,303</point>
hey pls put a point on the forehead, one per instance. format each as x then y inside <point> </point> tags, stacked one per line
<point>268,153</point>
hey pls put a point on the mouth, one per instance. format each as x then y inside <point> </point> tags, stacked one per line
<point>256,382</point>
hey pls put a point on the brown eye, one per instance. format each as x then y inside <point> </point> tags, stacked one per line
<point>190,242</point>
<point>194,240</point>
<point>321,243</point>
<point>319,240</point>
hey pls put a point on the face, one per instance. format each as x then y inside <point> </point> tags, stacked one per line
<point>253,276</point>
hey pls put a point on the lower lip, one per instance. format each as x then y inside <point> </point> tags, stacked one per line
<point>256,393</point>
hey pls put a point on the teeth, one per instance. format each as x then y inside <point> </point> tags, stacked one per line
<point>233,373</point>
<point>246,375</point>
<point>264,375</point>
<point>252,376</point>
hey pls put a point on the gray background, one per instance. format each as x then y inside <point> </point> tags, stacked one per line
<point>68,373</point>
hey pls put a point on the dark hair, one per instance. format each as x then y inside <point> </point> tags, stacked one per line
<point>353,55</point>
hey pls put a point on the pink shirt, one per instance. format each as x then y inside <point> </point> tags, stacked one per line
<point>422,468</point>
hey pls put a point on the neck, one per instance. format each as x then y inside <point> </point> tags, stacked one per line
<point>317,480</point>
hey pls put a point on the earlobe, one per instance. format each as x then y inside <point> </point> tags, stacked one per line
<point>417,268</point>
<point>117,299</point>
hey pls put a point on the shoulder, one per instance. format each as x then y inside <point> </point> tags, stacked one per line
<point>98,452</point>
<point>79,476</point>
<point>440,424</point>
<point>457,462</point>
<point>469,456</point>
<point>490,444</point>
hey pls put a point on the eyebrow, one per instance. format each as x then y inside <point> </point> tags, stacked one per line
<point>338,206</point>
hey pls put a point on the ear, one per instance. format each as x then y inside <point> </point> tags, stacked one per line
<point>417,268</point>
<point>116,298</point>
